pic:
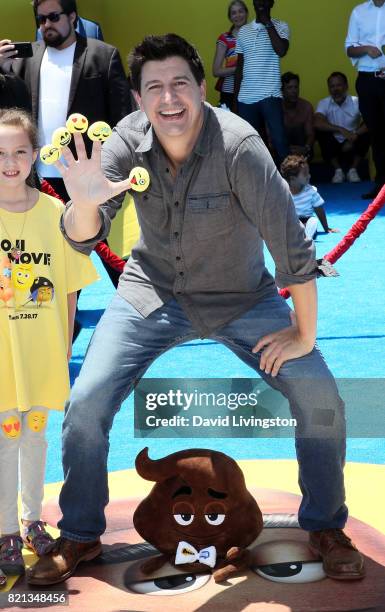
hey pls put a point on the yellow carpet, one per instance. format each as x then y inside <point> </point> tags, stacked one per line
<point>363,482</point>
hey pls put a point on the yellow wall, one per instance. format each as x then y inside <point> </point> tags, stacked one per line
<point>317,43</point>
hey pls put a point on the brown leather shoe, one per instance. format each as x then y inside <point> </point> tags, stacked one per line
<point>341,559</point>
<point>61,561</point>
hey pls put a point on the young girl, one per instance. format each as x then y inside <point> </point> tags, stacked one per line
<point>39,277</point>
<point>307,200</point>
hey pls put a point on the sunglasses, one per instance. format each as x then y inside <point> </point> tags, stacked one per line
<point>53,17</point>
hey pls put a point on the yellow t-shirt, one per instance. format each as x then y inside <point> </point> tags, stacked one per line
<point>34,284</point>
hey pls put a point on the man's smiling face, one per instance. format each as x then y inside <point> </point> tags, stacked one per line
<point>171,98</point>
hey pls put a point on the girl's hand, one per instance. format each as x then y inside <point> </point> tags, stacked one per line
<point>83,178</point>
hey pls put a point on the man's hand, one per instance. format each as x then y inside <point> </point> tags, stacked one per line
<point>280,347</point>
<point>7,54</point>
<point>373,52</point>
<point>330,230</point>
<point>84,180</point>
<point>348,134</point>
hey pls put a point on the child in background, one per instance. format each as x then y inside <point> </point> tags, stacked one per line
<point>307,200</point>
<point>39,277</point>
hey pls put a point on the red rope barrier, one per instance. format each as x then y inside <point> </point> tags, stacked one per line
<point>355,232</point>
<point>114,261</point>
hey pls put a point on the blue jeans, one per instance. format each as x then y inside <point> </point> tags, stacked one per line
<point>123,347</point>
<point>268,111</point>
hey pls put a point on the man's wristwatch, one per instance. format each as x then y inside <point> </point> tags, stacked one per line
<point>269,25</point>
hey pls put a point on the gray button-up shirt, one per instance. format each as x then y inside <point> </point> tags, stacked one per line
<point>202,232</point>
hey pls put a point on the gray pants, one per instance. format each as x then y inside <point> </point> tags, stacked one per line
<point>22,445</point>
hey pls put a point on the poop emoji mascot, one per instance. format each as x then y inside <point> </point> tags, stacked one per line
<point>199,511</point>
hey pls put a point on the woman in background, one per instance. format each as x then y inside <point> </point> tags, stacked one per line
<point>225,60</point>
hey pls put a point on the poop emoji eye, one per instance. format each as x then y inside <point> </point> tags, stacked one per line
<point>287,561</point>
<point>172,585</point>
<point>296,572</point>
<point>184,519</point>
<point>215,519</point>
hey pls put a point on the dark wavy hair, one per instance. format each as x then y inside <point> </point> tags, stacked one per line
<point>68,6</point>
<point>289,76</point>
<point>338,74</point>
<point>159,48</point>
<point>292,166</point>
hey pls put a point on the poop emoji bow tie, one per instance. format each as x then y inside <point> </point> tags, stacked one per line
<point>186,553</point>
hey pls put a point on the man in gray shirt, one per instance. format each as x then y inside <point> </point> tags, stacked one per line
<point>197,271</point>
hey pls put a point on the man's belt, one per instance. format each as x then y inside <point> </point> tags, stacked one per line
<point>379,74</point>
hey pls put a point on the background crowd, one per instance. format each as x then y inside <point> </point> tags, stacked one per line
<point>250,83</point>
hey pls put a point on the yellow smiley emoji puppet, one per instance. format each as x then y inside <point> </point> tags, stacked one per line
<point>77,123</point>
<point>61,137</point>
<point>99,131</point>
<point>49,154</point>
<point>139,178</point>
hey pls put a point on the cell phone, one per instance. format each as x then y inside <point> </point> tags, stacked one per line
<point>24,49</point>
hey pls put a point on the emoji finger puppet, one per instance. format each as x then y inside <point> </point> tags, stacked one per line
<point>61,137</point>
<point>199,512</point>
<point>77,123</point>
<point>50,154</point>
<point>139,178</point>
<point>99,131</point>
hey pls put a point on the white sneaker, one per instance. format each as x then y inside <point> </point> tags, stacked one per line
<point>338,177</point>
<point>353,176</point>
